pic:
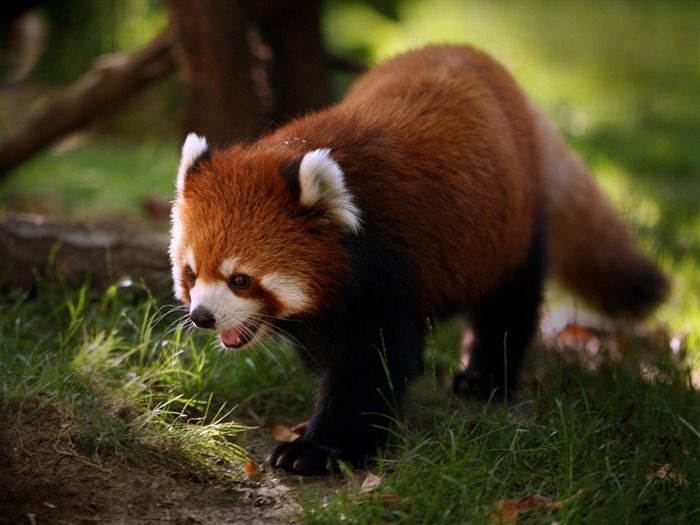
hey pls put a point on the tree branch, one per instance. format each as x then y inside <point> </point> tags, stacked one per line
<point>111,80</point>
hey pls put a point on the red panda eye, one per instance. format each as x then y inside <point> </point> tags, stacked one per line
<point>239,281</point>
<point>189,274</point>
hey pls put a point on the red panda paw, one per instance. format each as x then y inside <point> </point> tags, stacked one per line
<point>305,458</point>
<point>476,385</point>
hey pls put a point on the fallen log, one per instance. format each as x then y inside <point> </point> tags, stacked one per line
<point>34,247</point>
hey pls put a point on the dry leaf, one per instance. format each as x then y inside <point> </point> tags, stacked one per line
<point>577,336</point>
<point>575,331</point>
<point>505,512</point>
<point>534,501</point>
<point>668,473</point>
<point>284,433</point>
<point>300,428</point>
<point>371,482</point>
<point>252,469</point>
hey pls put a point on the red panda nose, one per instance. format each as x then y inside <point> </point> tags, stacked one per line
<point>202,318</point>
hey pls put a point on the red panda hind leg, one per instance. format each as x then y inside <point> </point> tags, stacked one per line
<point>504,324</point>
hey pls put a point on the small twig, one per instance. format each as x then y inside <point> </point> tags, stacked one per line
<point>80,458</point>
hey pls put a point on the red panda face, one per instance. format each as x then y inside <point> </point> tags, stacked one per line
<point>250,246</point>
<point>240,301</point>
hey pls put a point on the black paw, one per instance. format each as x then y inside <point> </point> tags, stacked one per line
<point>305,458</point>
<point>474,385</point>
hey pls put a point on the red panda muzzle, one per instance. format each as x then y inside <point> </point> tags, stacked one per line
<point>236,337</point>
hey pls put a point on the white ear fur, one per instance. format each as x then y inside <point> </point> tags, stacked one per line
<point>321,180</point>
<point>193,148</point>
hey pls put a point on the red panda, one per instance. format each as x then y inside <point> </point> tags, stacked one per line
<point>434,188</point>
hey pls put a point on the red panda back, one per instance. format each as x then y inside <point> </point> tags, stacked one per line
<point>437,147</point>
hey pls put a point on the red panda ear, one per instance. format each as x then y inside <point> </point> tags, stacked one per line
<point>322,183</point>
<point>194,149</point>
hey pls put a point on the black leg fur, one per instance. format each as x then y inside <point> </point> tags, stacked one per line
<point>364,368</point>
<point>504,324</point>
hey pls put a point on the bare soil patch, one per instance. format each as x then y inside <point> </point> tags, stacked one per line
<point>47,479</point>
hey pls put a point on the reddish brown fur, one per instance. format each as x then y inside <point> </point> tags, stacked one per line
<point>474,122</point>
<point>484,199</point>
<point>238,208</point>
<point>592,251</point>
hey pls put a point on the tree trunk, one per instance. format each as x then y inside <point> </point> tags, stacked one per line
<point>213,51</point>
<point>248,64</point>
<point>299,73</point>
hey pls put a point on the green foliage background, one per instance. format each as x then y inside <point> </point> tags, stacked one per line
<point>622,80</point>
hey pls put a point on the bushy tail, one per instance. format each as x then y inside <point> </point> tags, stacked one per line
<point>592,251</point>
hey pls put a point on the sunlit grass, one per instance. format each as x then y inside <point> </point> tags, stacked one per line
<point>130,384</point>
<point>126,384</point>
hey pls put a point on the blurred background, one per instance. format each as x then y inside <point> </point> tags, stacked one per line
<point>96,96</point>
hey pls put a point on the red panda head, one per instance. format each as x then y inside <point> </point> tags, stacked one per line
<point>257,236</point>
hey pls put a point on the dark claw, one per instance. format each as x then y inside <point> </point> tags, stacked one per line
<point>305,459</point>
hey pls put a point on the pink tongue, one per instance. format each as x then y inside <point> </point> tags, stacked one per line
<point>232,337</point>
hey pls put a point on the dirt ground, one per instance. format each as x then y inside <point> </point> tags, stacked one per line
<point>45,479</point>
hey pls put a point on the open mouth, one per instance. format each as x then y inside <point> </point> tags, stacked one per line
<point>239,336</point>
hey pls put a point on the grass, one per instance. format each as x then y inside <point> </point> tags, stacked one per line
<point>608,447</point>
<point>615,439</point>
<point>125,390</point>
<point>618,443</point>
